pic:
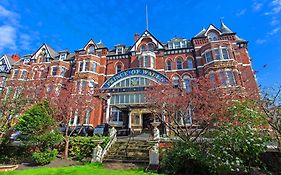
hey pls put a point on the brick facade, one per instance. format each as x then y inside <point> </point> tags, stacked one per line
<point>215,52</point>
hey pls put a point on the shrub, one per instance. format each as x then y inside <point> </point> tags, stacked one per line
<point>38,124</point>
<point>236,150</point>
<point>45,157</point>
<point>184,158</point>
<point>82,147</point>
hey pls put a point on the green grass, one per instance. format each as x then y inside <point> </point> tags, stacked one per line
<point>91,169</point>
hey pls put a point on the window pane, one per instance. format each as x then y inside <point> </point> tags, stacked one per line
<point>126,98</point>
<point>94,67</point>
<point>87,65</point>
<point>54,71</point>
<point>208,57</point>
<point>189,63</point>
<point>217,54</point>
<point>169,65</point>
<point>225,54</point>
<point>80,66</point>
<point>132,98</point>
<point>146,61</point>
<point>179,64</point>
<point>230,77</point>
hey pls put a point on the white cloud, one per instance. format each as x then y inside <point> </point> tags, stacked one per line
<point>7,37</point>
<point>274,31</point>
<point>8,16</point>
<point>25,41</point>
<point>275,8</point>
<point>274,21</point>
<point>241,12</point>
<point>260,41</point>
<point>257,6</point>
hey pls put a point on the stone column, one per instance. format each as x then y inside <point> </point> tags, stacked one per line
<point>107,111</point>
<point>130,120</point>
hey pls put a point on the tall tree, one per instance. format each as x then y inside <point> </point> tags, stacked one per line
<point>189,112</point>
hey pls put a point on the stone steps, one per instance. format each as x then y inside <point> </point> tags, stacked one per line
<point>132,152</point>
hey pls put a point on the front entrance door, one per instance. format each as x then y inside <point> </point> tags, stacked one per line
<point>146,122</point>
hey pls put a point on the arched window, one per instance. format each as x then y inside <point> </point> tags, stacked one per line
<point>150,47</point>
<point>175,80</point>
<point>168,65</point>
<point>212,36</point>
<point>91,50</point>
<point>179,63</point>
<point>143,48</point>
<point>186,83</point>
<point>118,68</point>
<point>189,63</point>
<point>146,61</point>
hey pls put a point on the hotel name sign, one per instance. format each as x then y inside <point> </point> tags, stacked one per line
<point>151,74</point>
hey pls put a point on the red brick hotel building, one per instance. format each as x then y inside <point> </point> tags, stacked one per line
<point>124,71</point>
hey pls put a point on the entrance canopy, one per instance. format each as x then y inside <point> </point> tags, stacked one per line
<point>135,72</point>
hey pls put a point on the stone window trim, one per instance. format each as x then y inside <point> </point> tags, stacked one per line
<point>87,66</point>
<point>24,74</point>
<point>168,64</point>
<point>179,63</point>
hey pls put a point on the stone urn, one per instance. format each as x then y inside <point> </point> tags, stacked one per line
<point>156,132</point>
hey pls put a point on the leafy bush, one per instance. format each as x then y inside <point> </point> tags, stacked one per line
<point>236,150</point>
<point>82,147</point>
<point>38,124</point>
<point>184,158</point>
<point>233,147</point>
<point>45,157</point>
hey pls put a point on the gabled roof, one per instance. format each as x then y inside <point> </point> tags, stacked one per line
<point>7,61</point>
<point>145,34</point>
<point>91,41</point>
<point>201,33</point>
<point>50,51</point>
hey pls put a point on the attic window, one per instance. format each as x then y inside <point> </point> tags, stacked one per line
<point>91,50</point>
<point>119,50</point>
<point>62,56</point>
<point>212,36</point>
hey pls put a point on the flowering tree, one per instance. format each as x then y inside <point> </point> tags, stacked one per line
<point>189,112</point>
<point>271,105</point>
<point>70,102</point>
<point>15,100</point>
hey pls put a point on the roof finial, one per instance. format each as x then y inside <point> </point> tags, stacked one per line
<point>146,14</point>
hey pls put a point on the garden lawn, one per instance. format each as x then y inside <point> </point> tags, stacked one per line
<point>91,169</point>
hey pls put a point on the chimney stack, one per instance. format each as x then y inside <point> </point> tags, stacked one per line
<point>136,37</point>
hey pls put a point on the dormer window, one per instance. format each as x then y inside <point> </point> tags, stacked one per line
<point>177,45</point>
<point>119,50</point>
<point>212,36</point>
<point>62,56</point>
<point>91,50</point>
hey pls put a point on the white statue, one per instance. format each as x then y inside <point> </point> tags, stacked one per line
<point>97,153</point>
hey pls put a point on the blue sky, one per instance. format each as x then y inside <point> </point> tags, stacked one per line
<point>26,24</point>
